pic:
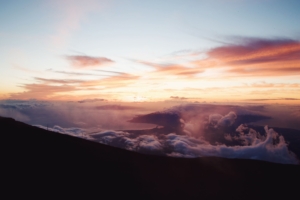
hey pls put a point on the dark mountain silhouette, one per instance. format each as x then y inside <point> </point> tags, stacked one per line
<point>37,163</point>
<point>241,119</point>
<point>166,119</point>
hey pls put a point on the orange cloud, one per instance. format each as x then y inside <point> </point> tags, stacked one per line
<point>260,57</point>
<point>41,91</point>
<point>67,88</point>
<point>253,58</point>
<point>79,73</point>
<point>87,61</point>
<point>273,85</point>
<point>217,76</point>
<point>111,82</point>
<point>258,51</point>
<point>173,69</point>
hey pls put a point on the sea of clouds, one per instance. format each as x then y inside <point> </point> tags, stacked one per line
<point>108,124</point>
<point>268,146</point>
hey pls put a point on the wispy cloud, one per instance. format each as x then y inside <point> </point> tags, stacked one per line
<point>72,13</point>
<point>82,61</point>
<point>111,72</point>
<point>41,91</point>
<point>287,99</point>
<point>173,69</point>
<point>25,69</point>
<point>44,88</point>
<point>177,97</point>
<point>260,57</point>
<point>60,81</point>
<point>113,81</point>
<point>253,50</point>
<point>251,57</point>
<point>80,73</point>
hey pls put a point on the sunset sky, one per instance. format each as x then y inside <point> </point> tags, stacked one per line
<point>132,50</point>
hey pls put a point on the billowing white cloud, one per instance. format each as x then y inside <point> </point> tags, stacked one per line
<point>142,143</point>
<point>271,147</point>
<point>213,119</point>
<point>250,138</point>
<point>149,143</point>
<point>227,120</point>
<point>259,149</point>
<point>77,132</point>
<point>218,120</point>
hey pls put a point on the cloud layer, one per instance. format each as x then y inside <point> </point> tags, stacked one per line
<point>272,147</point>
<point>185,130</point>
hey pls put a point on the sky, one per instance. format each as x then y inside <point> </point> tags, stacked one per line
<point>130,50</point>
<point>220,70</point>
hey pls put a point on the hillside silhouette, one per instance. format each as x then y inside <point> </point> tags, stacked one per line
<point>37,163</point>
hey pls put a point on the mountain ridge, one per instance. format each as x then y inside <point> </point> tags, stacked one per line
<point>40,163</point>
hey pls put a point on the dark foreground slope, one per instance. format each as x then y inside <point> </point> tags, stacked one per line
<point>40,163</point>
